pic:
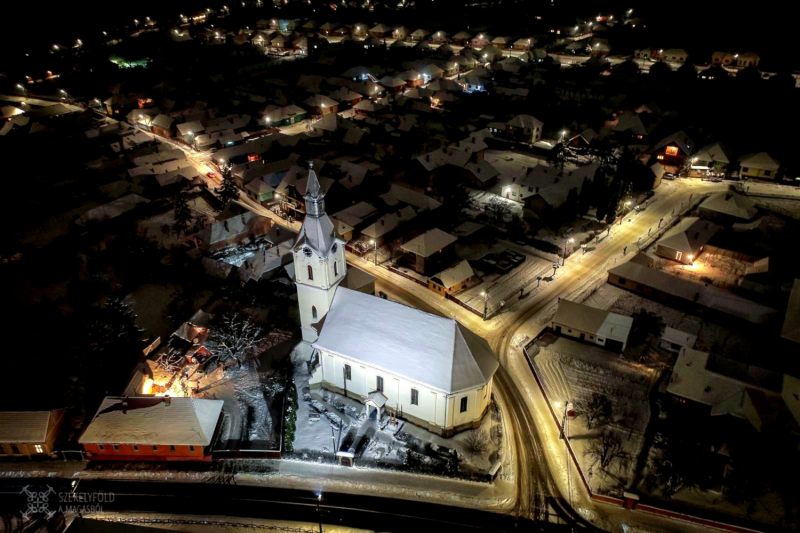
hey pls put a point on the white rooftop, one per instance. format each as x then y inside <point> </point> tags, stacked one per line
<point>24,426</point>
<point>428,349</point>
<point>600,322</point>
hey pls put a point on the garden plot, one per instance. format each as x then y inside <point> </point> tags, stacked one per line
<point>609,398</point>
<point>326,418</point>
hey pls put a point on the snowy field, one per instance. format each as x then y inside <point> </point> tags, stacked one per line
<point>572,372</point>
<point>381,444</point>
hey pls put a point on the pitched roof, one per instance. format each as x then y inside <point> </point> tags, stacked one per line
<point>678,138</point>
<point>732,204</point>
<point>319,100</point>
<point>524,121</point>
<point>154,420</point>
<point>713,153</point>
<point>761,160</point>
<point>592,320</point>
<point>429,242</point>
<point>433,351</point>
<point>454,275</point>
<point>689,235</point>
<point>24,426</point>
<point>316,232</point>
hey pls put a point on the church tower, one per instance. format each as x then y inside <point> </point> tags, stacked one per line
<point>319,260</point>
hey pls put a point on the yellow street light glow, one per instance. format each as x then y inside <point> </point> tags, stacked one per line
<point>571,240</point>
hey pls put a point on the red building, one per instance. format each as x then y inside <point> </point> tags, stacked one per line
<point>673,150</point>
<point>153,428</point>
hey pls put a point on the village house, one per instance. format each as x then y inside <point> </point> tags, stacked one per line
<point>728,206</point>
<point>440,37</point>
<point>420,367</point>
<point>461,38</point>
<point>379,31</point>
<point>452,279</point>
<point>710,159</point>
<point>419,35</point>
<point>400,33</point>
<point>524,128</point>
<point>759,166</point>
<point>673,150</point>
<point>748,59</point>
<point>723,58</point>
<point>429,251</point>
<point>30,433</point>
<point>321,105</point>
<point>589,324</point>
<point>153,428</point>
<point>685,242</point>
<point>234,230</point>
<point>260,192</point>
<point>673,55</point>
<point>480,40</point>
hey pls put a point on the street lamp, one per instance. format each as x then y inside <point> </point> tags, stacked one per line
<point>564,257</point>
<point>375,247</point>
<point>319,513</point>
<point>485,303</point>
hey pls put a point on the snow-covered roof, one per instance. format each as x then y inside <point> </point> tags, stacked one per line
<point>713,153</point>
<point>398,193</point>
<point>689,235</point>
<point>377,397</point>
<point>681,338</point>
<point>630,122</point>
<point>732,204</point>
<point>680,139</point>
<point>319,100</point>
<point>710,297</point>
<point>429,243</point>
<point>154,421</point>
<point>524,121</point>
<point>454,275</point>
<point>428,349</point>
<point>24,426</point>
<point>761,160</point>
<point>599,322</point>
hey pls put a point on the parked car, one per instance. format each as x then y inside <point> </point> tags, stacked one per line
<point>668,176</point>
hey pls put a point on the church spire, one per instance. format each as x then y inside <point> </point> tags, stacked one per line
<point>315,200</point>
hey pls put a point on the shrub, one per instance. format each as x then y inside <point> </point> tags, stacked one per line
<point>476,443</point>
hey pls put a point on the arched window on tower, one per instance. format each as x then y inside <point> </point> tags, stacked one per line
<point>310,273</point>
<point>313,312</point>
<point>335,268</point>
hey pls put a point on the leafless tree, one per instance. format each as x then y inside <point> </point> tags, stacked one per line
<point>607,450</point>
<point>476,443</point>
<point>233,339</point>
<point>596,409</point>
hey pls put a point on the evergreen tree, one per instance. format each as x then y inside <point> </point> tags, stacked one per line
<point>183,214</point>
<point>585,199</point>
<point>228,191</point>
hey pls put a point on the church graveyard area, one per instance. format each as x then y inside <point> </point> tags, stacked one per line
<point>391,443</point>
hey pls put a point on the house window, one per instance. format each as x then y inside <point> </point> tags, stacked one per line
<point>15,449</point>
<point>348,372</point>
<point>172,447</point>
<point>672,150</point>
<point>135,448</point>
<point>313,312</point>
<point>155,448</point>
<point>335,268</point>
<point>414,397</point>
<point>310,273</point>
<point>38,448</point>
<point>116,447</point>
<point>660,156</point>
<point>191,448</point>
<point>767,172</point>
<point>379,383</point>
<point>464,404</point>
<point>745,169</point>
<point>622,281</point>
<point>101,447</point>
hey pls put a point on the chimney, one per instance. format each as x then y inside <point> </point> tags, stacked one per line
<point>167,401</point>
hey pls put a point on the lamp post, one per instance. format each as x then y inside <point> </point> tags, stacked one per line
<point>485,304</point>
<point>375,247</point>
<point>564,418</point>
<point>564,257</point>
<point>319,512</point>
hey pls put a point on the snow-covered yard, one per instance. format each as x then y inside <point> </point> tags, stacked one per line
<point>576,373</point>
<point>325,419</point>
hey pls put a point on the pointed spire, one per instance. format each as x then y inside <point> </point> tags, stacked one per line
<point>315,203</point>
<point>312,188</point>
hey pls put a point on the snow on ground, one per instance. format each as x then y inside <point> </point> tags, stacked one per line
<point>320,413</point>
<point>215,523</point>
<point>572,371</point>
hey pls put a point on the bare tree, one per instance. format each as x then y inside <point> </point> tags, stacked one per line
<point>498,210</point>
<point>233,339</point>
<point>476,443</point>
<point>607,450</point>
<point>596,409</point>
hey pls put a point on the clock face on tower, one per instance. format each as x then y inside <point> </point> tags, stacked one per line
<point>334,248</point>
<point>307,251</point>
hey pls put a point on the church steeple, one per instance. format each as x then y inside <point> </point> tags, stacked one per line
<point>315,200</point>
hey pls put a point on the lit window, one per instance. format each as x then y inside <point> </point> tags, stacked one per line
<point>672,150</point>
<point>38,448</point>
<point>660,156</point>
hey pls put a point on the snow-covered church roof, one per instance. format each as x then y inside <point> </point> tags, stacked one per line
<point>428,349</point>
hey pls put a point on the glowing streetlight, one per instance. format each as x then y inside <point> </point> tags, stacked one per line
<point>375,247</point>
<point>485,303</point>
<point>564,256</point>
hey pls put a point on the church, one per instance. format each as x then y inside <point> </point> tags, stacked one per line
<point>429,370</point>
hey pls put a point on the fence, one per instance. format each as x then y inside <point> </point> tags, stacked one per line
<point>462,304</point>
<point>628,502</point>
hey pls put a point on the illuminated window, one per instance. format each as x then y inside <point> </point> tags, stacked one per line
<point>38,448</point>
<point>660,156</point>
<point>672,150</point>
